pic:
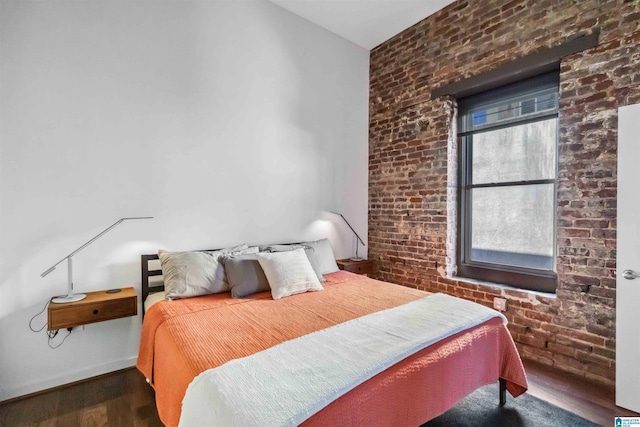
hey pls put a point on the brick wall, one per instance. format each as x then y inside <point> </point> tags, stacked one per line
<point>412,163</point>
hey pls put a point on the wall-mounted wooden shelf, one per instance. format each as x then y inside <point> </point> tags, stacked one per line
<point>96,307</point>
<point>364,267</point>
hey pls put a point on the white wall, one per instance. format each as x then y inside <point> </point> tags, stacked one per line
<point>228,121</point>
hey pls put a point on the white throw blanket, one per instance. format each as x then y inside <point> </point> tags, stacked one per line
<point>288,383</point>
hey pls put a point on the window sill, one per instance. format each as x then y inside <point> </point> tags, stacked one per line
<point>502,287</point>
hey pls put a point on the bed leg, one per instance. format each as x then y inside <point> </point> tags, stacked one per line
<point>503,391</point>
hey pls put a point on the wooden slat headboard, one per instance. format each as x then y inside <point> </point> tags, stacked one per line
<point>146,273</point>
<point>149,288</point>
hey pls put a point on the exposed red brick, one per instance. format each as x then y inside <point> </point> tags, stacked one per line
<point>409,159</point>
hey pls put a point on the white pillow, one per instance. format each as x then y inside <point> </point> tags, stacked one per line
<point>308,250</point>
<point>245,251</point>
<point>288,273</point>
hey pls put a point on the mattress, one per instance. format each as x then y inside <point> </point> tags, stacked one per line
<point>153,299</point>
<point>183,338</point>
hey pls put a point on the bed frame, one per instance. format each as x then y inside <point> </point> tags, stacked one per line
<point>148,289</point>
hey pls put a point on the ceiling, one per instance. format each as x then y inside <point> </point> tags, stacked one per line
<point>366,23</point>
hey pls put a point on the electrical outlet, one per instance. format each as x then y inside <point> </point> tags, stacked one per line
<point>500,304</point>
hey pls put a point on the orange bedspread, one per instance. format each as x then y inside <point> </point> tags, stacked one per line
<point>182,338</point>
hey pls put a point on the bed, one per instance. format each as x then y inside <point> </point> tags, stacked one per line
<point>185,337</point>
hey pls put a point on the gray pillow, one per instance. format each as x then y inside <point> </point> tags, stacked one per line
<point>324,259</point>
<point>308,250</point>
<point>189,274</point>
<point>245,275</point>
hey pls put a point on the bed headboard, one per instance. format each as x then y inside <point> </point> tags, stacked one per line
<point>147,272</point>
<point>151,270</point>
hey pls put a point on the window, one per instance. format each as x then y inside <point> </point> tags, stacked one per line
<point>508,170</point>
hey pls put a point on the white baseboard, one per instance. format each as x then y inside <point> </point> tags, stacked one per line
<point>66,379</point>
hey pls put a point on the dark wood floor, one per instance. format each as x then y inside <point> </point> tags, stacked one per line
<point>124,399</point>
<point>590,401</point>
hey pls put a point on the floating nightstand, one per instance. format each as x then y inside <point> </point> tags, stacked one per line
<point>364,267</point>
<point>96,307</point>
